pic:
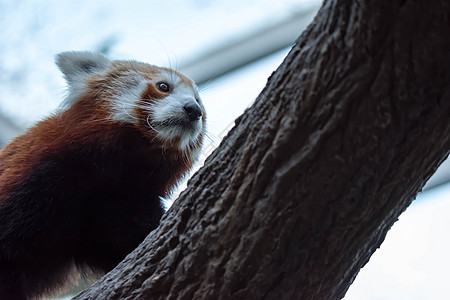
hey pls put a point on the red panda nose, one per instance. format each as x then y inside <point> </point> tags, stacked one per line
<point>193,111</point>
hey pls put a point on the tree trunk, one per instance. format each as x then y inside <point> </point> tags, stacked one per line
<point>305,187</point>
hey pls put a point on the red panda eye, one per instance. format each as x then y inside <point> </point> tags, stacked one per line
<point>163,87</point>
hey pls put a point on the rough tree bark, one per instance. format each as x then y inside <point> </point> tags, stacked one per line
<point>305,187</point>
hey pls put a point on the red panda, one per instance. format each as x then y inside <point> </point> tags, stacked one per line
<point>82,187</point>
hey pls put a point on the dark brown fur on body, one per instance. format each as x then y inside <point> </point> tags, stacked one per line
<point>82,189</point>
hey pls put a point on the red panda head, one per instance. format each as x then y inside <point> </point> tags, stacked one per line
<point>164,104</point>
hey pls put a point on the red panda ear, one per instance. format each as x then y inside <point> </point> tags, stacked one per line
<point>77,65</point>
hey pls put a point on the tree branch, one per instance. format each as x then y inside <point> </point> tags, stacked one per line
<point>305,187</point>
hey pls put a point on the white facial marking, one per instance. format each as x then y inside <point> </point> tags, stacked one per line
<point>124,104</point>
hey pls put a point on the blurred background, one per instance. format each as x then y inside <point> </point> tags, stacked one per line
<point>230,48</point>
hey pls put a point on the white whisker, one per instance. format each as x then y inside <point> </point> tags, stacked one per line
<point>149,125</point>
<point>128,114</point>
